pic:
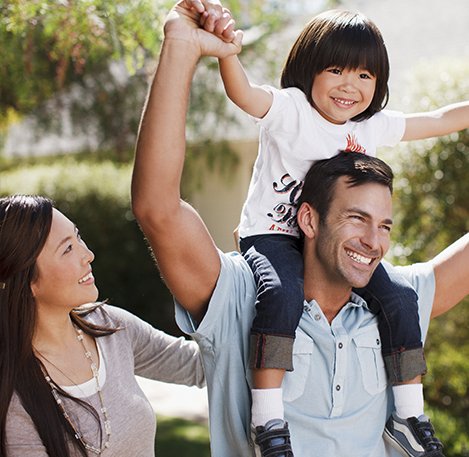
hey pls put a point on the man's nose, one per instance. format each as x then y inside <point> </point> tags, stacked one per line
<point>370,237</point>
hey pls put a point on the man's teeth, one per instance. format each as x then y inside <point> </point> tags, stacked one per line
<point>359,258</point>
<point>85,278</point>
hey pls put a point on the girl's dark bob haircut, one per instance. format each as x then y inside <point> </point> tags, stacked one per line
<point>341,39</point>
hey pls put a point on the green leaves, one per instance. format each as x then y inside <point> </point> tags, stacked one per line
<point>432,211</point>
<point>48,45</point>
<point>432,185</point>
<point>92,60</point>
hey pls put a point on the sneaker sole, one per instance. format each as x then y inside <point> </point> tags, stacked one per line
<point>395,444</point>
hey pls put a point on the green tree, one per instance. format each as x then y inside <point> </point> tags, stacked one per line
<point>49,47</point>
<point>432,189</point>
<point>94,59</point>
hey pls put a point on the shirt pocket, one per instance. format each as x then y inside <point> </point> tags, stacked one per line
<point>371,361</point>
<point>294,382</point>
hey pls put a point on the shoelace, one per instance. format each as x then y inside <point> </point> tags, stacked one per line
<point>425,432</point>
<point>266,439</point>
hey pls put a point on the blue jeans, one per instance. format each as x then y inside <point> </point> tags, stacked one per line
<point>277,264</point>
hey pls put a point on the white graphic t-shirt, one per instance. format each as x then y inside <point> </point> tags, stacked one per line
<point>292,136</point>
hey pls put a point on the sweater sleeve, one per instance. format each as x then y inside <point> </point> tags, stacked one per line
<point>22,438</point>
<point>157,355</point>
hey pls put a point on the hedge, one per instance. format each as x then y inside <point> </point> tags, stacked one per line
<point>96,196</point>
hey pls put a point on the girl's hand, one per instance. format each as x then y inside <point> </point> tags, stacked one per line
<point>214,18</point>
<point>211,30</point>
<point>218,20</point>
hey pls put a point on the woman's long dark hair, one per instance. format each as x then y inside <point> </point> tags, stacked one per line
<point>25,223</point>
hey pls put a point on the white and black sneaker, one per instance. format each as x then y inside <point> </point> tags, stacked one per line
<point>414,437</point>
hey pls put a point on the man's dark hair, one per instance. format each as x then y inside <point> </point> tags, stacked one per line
<point>320,181</point>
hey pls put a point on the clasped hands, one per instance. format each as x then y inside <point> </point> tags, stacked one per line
<point>205,23</point>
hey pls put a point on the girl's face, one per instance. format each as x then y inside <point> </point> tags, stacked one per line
<point>341,94</point>
<point>64,277</point>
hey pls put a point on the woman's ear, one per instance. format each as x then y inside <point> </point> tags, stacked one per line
<point>33,288</point>
<point>33,285</point>
<point>307,218</point>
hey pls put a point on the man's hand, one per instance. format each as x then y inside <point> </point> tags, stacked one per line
<point>206,26</point>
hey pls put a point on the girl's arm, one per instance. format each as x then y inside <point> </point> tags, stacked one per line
<point>449,119</point>
<point>251,98</point>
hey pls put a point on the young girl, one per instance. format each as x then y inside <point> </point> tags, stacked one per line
<point>68,384</point>
<point>334,89</point>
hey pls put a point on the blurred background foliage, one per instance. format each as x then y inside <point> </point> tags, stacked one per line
<point>431,211</point>
<point>58,53</point>
<point>95,57</point>
<point>95,195</point>
<point>181,438</point>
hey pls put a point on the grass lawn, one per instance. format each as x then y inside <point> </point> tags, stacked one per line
<point>177,437</point>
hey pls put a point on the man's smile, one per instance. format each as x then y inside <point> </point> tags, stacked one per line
<point>359,258</point>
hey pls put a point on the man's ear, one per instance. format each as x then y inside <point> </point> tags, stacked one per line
<point>308,220</point>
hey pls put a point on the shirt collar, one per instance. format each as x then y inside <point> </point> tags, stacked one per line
<point>354,301</point>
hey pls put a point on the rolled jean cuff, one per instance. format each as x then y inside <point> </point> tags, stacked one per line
<point>271,351</point>
<point>405,365</point>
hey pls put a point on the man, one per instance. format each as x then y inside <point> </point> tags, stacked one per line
<point>336,400</point>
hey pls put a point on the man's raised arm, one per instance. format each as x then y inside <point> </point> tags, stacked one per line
<point>184,250</point>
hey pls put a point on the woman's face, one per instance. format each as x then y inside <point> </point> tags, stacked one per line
<point>64,278</point>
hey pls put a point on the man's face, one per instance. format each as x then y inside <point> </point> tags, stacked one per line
<point>355,235</point>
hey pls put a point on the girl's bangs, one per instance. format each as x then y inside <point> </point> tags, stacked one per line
<point>353,49</point>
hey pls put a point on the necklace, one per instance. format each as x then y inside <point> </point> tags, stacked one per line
<point>58,400</point>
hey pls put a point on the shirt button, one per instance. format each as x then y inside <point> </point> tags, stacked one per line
<point>340,345</point>
<point>378,342</point>
<point>305,308</point>
<point>337,387</point>
<point>317,317</point>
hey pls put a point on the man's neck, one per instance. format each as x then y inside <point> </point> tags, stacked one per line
<point>331,294</point>
<point>330,303</point>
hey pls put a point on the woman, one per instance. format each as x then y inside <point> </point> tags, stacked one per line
<point>68,364</point>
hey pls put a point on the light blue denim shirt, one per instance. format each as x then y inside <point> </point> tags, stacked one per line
<point>336,399</point>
